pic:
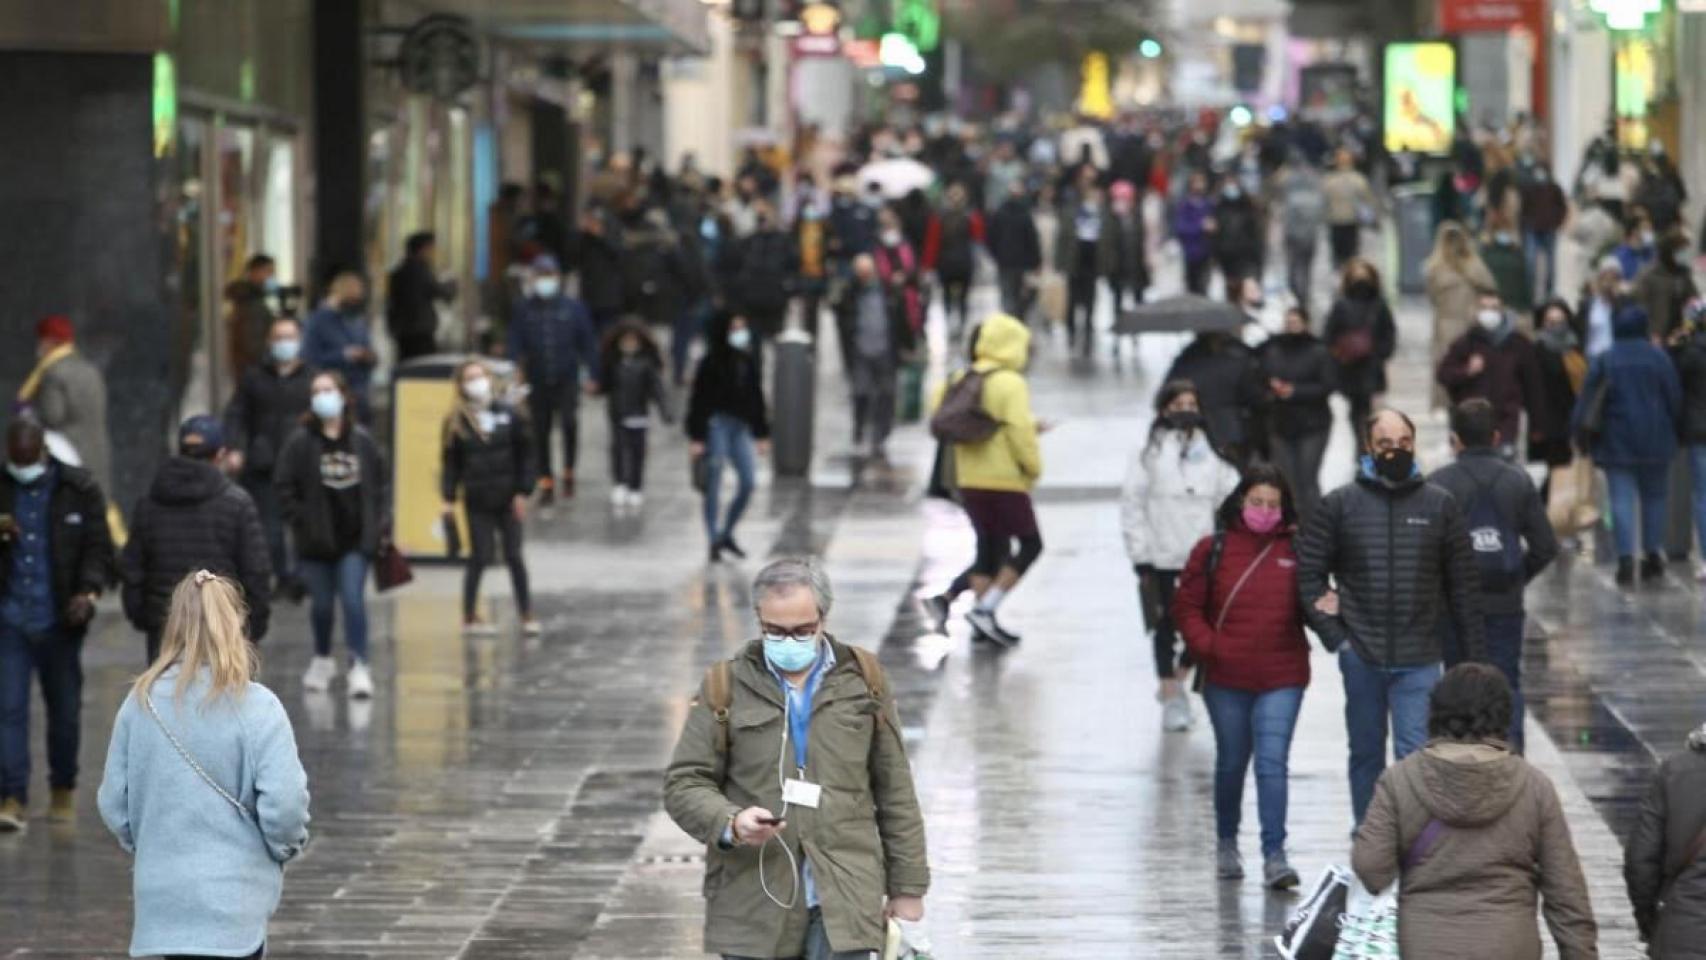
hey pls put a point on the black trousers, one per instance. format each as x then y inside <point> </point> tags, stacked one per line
<point>1344,238</point>
<point>559,401</point>
<point>1197,273</point>
<point>483,527</point>
<point>628,456</point>
<point>1081,311</point>
<point>1015,298</point>
<point>956,300</point>
<point>1155,594</point>
<point>1299,458</point>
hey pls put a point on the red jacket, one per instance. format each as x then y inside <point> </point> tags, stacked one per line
<point>1259,644</point>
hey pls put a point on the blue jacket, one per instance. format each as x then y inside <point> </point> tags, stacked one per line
<point>207,878</point>
<point>552,339</point>
<point>1643,399</point>
<point>329,333</point>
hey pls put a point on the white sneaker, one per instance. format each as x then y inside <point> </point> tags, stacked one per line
<point>636,499</point>
<point>318,677</point>
<point>531,627</point>
<point>618,496</point>
<point>1176,714</point>
<point>360,682</point>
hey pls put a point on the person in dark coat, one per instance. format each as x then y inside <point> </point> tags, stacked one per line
<point>338,338</point>
<point>487,459</point>
<point>1661,191</point>
<point>1504,258</point>
<point>1664,862</point>
<point>1482,470</point>
<point>631,378</point>
<point>1373,565</point>
<point>1362,336</point>
<point>248,315</point>
<point>1688,350</point>
<point>763,274</point>
<point>1016,248</point>
<point>1124,254</point>
<point>551,337</point>
<point>194,518</point>
<point>1078,252</point>
<point>1544,210</point>
<point>727,418</point>
<point>1666,285</point>
<point>1195,228</point>
<point>1634,441</point>
<point>334,491</point>
<point>1238,234</point>
<point>950,249</point>
<point>1560,367</point>
<point>1300,376</point>
<point>881,337</point>
<point>56,557</point>
<point>1494,361</point>
<point>1228,378</point>
<point>598,262</point>
<point>264,411</point>
<point>411,292</point>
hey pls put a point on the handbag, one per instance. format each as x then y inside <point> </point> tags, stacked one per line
<point>1570,504</point>
<point>390,568</point>
<point>1342,920</point>
<point>699,469</point>
<point>1593,415</point>
<point>1312,933</point>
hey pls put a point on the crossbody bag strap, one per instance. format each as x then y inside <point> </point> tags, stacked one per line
<point>1233,593</point>
<point>148,703</point>
<point>1424,844</point>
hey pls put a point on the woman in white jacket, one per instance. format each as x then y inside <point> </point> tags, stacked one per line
<point>1175,482</point>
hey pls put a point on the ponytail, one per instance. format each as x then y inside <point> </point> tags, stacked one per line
<point>206,627</point>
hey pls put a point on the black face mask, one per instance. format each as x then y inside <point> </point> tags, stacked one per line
<point>1183,420</point>
<point>1363,289</point>
<point>1395,466</point>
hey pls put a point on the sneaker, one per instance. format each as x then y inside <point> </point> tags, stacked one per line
<point>619,496</point>
<point>478,628</point>
<point>63,809</point>
<point>531,627</point>
<point>1176,716</point>
<point>1277,873</point>
<point>983,621</point>
<point>1228,865</point>
<point>12,816</point>
<point>636,499</point>
<point>1653,568</point>
<point>360,682</point>
<point>729,545</point>
<point>937,609</point>
<point>1625,571</point>
<point>318,678</point>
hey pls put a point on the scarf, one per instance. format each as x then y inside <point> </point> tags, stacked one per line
<point>1558,339</point>
<point>27,392</point>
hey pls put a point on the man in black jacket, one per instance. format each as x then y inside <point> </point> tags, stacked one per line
<point>1511,537</point>
<point>265,409</point>
<point>55,558</point>
<point>411,291</point>
<point>193,518</point>
<point>1393,545</point>
<point>1016,248</point>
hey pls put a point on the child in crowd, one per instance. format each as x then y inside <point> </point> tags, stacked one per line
<point>631,374</point>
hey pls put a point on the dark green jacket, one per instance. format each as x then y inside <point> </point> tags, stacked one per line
<point>865,841</point>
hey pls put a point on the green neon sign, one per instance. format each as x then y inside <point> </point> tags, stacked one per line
<point>1626,14</point>
<point>920,22</point>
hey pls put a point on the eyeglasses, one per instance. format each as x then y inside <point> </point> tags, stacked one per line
<point>799,634</point>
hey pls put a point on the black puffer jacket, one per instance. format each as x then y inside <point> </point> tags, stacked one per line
<point>263,411</point>
<point>490,466</point>
<point>1672,816</point>
<point>1367,376</point>
<point>1228,378</point>
<point>1393,550</point>
<point>307,507</point>
<point>80,546</point>
<point>1482,472</point>
<point>1301,360</point>
<point>193,518</point>
<point>1690,356</point>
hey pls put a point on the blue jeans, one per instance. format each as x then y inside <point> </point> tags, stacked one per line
<point>59,661</point>
<point>1697,468</point>
<point>1542,246</point>
<point>728,441</point>
<point>342,581</point>
<point>1650,484</point>
<point>1374,695</point>
<point>1248,723</point>
<point>817,945</point>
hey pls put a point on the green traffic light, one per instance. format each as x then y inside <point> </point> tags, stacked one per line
<point>1150,48</point>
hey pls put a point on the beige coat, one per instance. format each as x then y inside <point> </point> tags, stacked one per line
<point>865,841</point>
<point>1451,291</point>
<point>1505,845</point>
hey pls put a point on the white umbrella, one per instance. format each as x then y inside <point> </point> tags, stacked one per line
<point>897,177</point>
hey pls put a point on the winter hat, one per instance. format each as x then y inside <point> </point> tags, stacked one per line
<point>55,328</point>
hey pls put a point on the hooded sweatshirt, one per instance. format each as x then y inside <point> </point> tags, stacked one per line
<point>1010,459</point>
<point>1470,895</point>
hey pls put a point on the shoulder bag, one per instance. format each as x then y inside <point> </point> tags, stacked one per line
<point>247,814</point>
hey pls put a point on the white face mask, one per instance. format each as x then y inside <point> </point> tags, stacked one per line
<point>478,389</point>
<point>548,287</point>
<point>891,238</point>
<point>1490,320</point>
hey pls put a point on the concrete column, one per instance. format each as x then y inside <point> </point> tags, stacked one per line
<point>624,87</point>
<point>340,139</point>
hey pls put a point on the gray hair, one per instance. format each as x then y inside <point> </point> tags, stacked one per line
<point>789,574</point>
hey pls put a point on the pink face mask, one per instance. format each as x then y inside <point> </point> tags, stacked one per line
<point>1262,519</point>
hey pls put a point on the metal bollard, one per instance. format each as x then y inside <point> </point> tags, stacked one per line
<point>793,403</point>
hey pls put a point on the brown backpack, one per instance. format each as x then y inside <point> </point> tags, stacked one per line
<point>719,690</point>
<point>961,418</point>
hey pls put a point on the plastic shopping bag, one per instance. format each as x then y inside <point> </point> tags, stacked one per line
<point>1312,933</point>
<point>1370,927</point>
<point>906,941</point>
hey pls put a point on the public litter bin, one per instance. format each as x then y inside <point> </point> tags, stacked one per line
<point>793,403</point>
<point>1413,215</point>
<point>422,396</point>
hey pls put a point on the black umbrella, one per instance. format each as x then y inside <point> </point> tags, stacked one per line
<point>1185,314</point>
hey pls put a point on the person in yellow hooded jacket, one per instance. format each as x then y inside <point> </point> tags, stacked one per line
<point>994,479</point>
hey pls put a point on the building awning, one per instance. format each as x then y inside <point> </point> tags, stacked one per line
<point>673,26</point>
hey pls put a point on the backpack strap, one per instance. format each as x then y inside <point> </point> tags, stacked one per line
<point>719,693</point>
<point>876,681</point>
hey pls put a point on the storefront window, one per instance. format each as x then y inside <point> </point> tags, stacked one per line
<point>191,237</point>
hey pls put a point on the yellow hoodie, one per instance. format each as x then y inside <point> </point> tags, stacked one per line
<point>1009,460</point>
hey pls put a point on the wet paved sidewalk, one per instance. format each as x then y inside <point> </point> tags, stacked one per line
<point>500,798</point>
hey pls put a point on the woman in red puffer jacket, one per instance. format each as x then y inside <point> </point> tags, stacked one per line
<point>1242,622</point>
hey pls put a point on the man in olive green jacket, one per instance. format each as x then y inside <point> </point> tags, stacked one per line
<point>792,771</point>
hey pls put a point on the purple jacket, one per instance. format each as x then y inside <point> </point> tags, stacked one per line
<point>1189,218</point>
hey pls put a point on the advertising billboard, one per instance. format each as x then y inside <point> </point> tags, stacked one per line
<point>1419,114</point>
